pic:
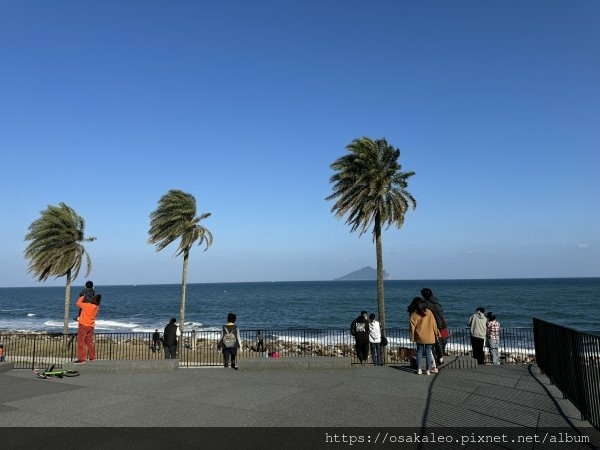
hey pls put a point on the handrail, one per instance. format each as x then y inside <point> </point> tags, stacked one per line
<point>571,360</point>
<point>199,348</point>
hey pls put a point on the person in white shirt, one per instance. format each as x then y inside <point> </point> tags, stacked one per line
<point>375,340</point>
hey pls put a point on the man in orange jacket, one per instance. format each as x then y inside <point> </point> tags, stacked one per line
<point>85,332</point>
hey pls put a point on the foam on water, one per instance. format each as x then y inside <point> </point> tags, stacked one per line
<point>305,305</point>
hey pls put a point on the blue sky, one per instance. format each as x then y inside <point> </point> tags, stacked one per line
<point>495,105</point>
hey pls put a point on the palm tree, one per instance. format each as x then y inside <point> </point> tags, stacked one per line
<point>175,218</point>
<point>370,188</point>
<point>56,248</point>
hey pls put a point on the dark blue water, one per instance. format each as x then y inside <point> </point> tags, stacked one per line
<point>574,303</point>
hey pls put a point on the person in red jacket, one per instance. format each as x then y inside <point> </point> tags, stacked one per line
<point>85,332</point>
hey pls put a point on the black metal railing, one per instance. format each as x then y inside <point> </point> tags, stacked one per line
<point>27,350</point>
<point>571,360</point>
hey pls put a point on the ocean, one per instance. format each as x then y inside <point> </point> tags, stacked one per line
<point>571,302</point>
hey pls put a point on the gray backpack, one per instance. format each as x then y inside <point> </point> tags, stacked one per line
<point>230,338</point>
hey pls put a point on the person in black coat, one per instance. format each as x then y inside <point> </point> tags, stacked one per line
<point>170,339</point>
<point>155,341</point>
<point>359,328</point>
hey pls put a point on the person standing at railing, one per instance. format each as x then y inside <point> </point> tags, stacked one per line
<point>1,353</point>
<point>359,328</point>
<point>424,332</point>
<point>260,343</point>
<point>193,339</point>
<point>433,304</point>
<point>375,340</point>
<point>155,341</point>
<point>444,336</point>
<point>478,324</point>
<point>414,306</point>
<point>85,331</point>
<point>230,341</point>
<point>170,335</point>
<point>493,337</point>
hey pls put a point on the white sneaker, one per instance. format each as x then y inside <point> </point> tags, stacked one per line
<point>434,370</point>
<point>419,372</point>
<point>427,372</point>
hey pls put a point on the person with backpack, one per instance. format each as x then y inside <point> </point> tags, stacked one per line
<point>230,341</point>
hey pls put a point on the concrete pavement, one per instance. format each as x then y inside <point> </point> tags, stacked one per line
<point>357,397</point>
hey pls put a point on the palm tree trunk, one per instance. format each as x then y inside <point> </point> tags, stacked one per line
<point>186,257</point>
<point>379,251</point>
<point>67,302</point>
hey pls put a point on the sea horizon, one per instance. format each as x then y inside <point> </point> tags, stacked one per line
<point>75,284</point>
<point>327,304</point>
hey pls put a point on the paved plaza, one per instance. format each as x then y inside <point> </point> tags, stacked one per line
<point>393,396</point>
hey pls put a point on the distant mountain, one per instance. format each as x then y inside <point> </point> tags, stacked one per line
<point>366,273</point>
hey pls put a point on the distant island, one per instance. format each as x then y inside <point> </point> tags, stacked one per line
<point>366,273</point>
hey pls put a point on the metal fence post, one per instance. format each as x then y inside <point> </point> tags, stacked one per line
<point>33,355</point>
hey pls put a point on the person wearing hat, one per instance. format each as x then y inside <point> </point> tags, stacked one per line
<point>493,337</point>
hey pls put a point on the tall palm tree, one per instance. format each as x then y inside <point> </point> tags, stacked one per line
<point>369,188</point>
<point>175,218</point>
<point>56,248</point>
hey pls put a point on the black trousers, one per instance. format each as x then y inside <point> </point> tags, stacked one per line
<point>362,350</point>
<point>477,344</point>
<point>438,351</point>
<point>170,351</point>
<point>229,353</point>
